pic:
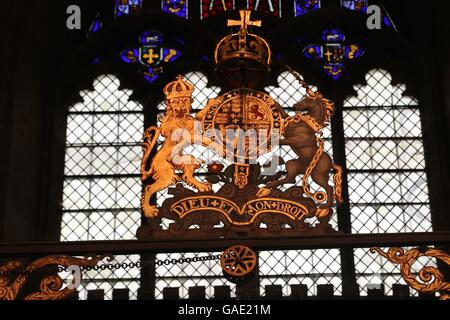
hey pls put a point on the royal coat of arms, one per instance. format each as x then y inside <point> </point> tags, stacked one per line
<point>239,126</point>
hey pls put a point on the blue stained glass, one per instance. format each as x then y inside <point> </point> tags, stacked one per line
<point>151,54</point>
<point>95,27</point>
<point>387,21</point>
<point>122,10</point>
<point>170,55</point>
<point>361,6</point>
<point>313,52</point>
<point>176,7</point>
<point>130,55</point>
<point>353,51</point>
<point>305,6</point>
<point>152,74</point>
<point>333,52</point>
<point>355,5</point>
<point>334,71</point>
<point>333,35</point>
<point>152,38</point>
<point>128,7</point>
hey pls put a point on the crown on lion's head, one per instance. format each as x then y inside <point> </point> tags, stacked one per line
<point>179,88</point>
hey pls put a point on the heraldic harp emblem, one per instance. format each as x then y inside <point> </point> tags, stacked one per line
<point>239,197</point>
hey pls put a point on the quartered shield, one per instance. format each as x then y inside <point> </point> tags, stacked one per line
<point>246,123</point>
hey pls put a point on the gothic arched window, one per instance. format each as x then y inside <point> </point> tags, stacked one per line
<point>385,159</point>
<point>382,134</point>
<point>102,185</point>
<point>386,169</point>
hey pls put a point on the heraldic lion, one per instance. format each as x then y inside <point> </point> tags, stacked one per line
<point>178,129</point>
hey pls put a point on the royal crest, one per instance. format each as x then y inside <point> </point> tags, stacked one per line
<point>243,121</point>
<point>239,196</point>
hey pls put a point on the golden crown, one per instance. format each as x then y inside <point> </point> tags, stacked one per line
<point>179,89</point>
<point>243,44</point>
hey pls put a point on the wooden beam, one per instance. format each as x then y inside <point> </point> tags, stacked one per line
<point>21,250</point>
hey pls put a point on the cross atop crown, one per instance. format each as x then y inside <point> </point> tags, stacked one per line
<point>245,20</point>
<point>243,44</point>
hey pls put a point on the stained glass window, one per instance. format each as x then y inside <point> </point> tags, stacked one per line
<point>333,52</point>
<point>212,7</point>
<point>266,7</point>
<point>355,5</point>
<point>302,7</point>
<point>386,168</point>
<point>209,8</point>
<point>151,55</point>
<point>176,7</point>
<point>361,6</point>
<point>128,7</point>
<point>102,182</point>
<point>96,26</point>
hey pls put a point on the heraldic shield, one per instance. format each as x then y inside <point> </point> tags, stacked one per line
<point>239,198</point>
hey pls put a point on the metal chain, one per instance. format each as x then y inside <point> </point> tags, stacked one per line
<point>151,262</point>
<point>313,125</point>
<point>311,167</point>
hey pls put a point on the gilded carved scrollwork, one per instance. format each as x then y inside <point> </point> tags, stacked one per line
<point>50,286</point>
<point>431,279</point>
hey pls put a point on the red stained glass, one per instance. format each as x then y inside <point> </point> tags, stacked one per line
<point>213,7</point>
<point>266,7</point>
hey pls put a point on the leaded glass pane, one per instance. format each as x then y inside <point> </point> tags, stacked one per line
<point>386,168</point>
<point>102,186</point>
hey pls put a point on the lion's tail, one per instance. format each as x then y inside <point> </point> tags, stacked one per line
<point>337,178</point>
<point>151,136</point>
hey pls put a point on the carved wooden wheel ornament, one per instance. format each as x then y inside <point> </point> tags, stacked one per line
<point>238,261</point>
